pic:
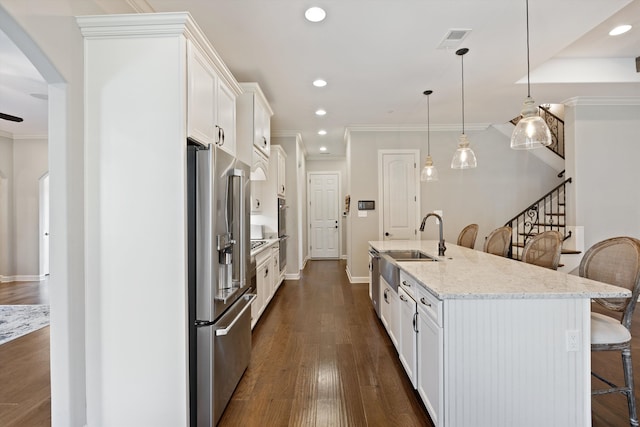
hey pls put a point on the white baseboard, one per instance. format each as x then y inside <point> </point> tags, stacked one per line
<point>356,279</point>
<point>292,276</point>
<point>22,278</point>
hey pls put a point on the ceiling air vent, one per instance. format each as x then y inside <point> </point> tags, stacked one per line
<point>453,38</point>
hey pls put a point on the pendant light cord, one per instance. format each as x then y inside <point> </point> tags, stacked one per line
<point>462,61</point>
<point>428,130</point>
<point>528,64</point>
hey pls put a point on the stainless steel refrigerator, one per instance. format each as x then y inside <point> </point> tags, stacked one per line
<point>219,288</point>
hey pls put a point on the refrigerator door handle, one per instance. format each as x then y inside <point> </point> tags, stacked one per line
<point>224,330</point>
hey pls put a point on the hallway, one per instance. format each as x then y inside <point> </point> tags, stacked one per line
<point>321,358</point>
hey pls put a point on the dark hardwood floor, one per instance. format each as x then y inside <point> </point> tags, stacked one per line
<point>320,358</point>
<point>25,385</point>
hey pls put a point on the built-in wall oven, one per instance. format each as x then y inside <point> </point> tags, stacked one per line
<point>282,233</point>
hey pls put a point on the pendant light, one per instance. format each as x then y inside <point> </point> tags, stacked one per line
<point>531,131</point>
<point>429,172</point>
<point>464,157</point>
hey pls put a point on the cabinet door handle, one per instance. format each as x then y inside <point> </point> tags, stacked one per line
<point>266,272</point>
<point>264,142</point>
<point>424,301</point>
<point>220,140</point>
<point>402,297</point>
<point>415,322</point>
<point>385,295</point>
<point>404,282</point>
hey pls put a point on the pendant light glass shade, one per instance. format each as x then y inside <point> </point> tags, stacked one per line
<point>429,172</point>
<point>531,131</point>
<point>464,157</point>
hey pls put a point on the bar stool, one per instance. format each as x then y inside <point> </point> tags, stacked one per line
<point>498,241</point>
<point>615,261</point>
<point>544,249</point>
<point>467,236</point>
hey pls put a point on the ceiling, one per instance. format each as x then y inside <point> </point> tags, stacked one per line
<point>378,56</point>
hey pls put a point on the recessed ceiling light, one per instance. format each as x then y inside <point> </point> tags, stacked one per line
<point>320,112</point>
<point>620,29</point>
<point>315,14</point>
<point>323,148</point>
<point>322,132</point>
<point>319,83</point>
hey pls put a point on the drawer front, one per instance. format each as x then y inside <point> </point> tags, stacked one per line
<point>409,285</point>
<point>430,304</point>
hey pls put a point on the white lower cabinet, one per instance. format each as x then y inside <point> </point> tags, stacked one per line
<point>430,346</point>
<point>275,256</point>
<point>408,339</point>
<point>268,279</point>
<point>263,285</point>
<point>389,310</point>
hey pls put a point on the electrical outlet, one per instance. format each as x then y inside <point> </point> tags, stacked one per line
<point>573,340</point>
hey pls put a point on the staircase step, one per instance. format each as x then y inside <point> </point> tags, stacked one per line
<point>542,224</point>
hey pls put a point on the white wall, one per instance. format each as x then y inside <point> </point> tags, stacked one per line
<point>7,259</point>
<point>340,166</point>
<point>30,163</point>
<point>603,149</point>
<point>22,162</point>
<point>505,182</point>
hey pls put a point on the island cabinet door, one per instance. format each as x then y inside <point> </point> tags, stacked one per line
<point>408,339</point>
<point>389,310</point>
<point>430,359</point>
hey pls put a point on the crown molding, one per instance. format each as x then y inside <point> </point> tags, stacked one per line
<point>156,25</point>
<point>417,128</point>
<point>602,101</point>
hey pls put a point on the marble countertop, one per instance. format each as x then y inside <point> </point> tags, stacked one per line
<point>268,244</point>
<point>472,274</point>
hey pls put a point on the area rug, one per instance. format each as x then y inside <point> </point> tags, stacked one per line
<point>19,320</point>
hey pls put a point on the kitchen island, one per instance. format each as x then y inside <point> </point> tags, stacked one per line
<point>498,342</point>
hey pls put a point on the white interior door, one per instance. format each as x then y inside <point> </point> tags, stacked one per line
<point>324,214</point>
<point>44,224</point>
<point>399,184</point>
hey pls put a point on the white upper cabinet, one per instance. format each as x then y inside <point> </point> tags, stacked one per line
<point>226,119</point>
<point>211,103</point>
<point>281,164</point>
<point>202,85</point>
<point>254,128</point>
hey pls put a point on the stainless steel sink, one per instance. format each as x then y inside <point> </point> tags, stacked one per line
<point>410,255</point>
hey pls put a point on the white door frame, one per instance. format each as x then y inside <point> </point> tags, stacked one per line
<point>416,160</point>
<point>338,205</point>
<point>43,224</point>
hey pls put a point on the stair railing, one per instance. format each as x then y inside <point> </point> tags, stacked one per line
<point>546,213</point>
<point>556,126</point>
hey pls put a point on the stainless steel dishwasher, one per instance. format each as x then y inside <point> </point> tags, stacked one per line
<point>374,283</point>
